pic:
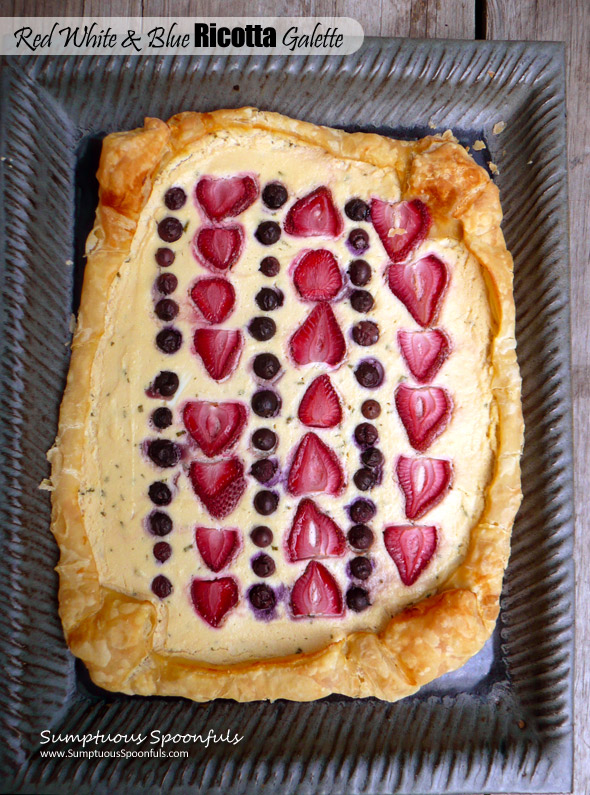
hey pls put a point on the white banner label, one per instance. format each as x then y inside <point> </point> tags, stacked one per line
<point>179,36</point>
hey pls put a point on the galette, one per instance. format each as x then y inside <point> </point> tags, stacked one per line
<point>288,454</point>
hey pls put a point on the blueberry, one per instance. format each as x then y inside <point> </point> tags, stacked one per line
<point>358,240</point>
<point>361,568</point>
<point>162,551</point>
<point>266,502</point>
<point>166,308</point>
<point>356,209</point>
<point>266,366</point>
<point>164,453</point>
<point>166,283</point>
<point>159,493</point>
<point>266,403</point>
<point>261,536</point>
<point>360,536</point>
<point>165,257</point>
<point>161,586</point>
<point>361,301</point>
<point>160,523</point>
<point>170,229</point>
<point>262,597</point>
<point>263,470</point>
<point>175,198</point>
<point>359,272</point>
<point>262,328</point>
<point>264,439</point>
<point>268,233</point>
<point>169,340</point>
<point>371,409</point>
<point>166,383</point>
<point>365,333</point>
<point>362,510</point>
<point>364,479</point>
<point>274,195</point>
<point>162,418</point>
<point>269,299</point>
<point>369,374</point>
<point>366,434</point>
<point>357,599</point>
<point>263,565</point>
<point>270,266</point>
<point>372,457</point>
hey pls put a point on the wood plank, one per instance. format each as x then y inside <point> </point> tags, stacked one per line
<point>569,21</point>
<point>421,18</point>
<point>71,8</point>
<point>409,18</point>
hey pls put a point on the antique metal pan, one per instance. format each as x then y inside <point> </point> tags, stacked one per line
<point>503,722</point>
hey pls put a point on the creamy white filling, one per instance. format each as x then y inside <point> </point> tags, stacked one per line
<point>117,474</point>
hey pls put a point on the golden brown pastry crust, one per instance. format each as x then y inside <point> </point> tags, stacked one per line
<point>113,632</point>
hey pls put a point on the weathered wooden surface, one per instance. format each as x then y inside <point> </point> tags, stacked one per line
<point>447,19</point>
<point>553,20</point>
<point>570,22</point>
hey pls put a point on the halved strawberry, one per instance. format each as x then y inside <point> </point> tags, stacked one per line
<point>424,482</point>
<point>401,227</point>
<point>319,338</point>
<point>315,469</point>
<point>316,593</point>
<point>317,276</point>
<point>218,485</point>
<point>411,547</point>
<point>313,215</point>
<point>425,413</point>
<point>214,297</point>
<point>226,197</point>
<point>320,406</point>
<point>218,247</point>
<point>215,427</point>
<point>420,286</point>
<point>217,546</point>
<point>220,350</point>
<point>213,599</point>
<point>424,352</point>
<point>314,534</point>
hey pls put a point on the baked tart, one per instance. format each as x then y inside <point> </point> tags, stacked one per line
<point>288,453</point>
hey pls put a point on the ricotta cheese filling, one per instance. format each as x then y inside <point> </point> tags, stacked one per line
<point>118,472</point>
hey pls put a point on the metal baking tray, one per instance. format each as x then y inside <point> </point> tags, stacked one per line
<point>502,723</point>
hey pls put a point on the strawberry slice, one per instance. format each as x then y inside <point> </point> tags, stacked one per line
<point>320,406</point>
<point>401,227</point>
<point>215,427</point>
<point>316,593</point>
<point>319,338</point>
<point>425,413</point>
<point>218,485</point>
<point>314,534</point>
<point>213,599</point>
<point>217,547</point>
<point>313,215</point>
<point>420,286</point>
<point>214,297</point>
<point>226,197</point>
<point>218,247</point>
<point>411,548</point>
<point>424,352</point>
<point>220,350</point>
<point>317,276</point>
<point>315,468</point>
<point>424,482</point>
